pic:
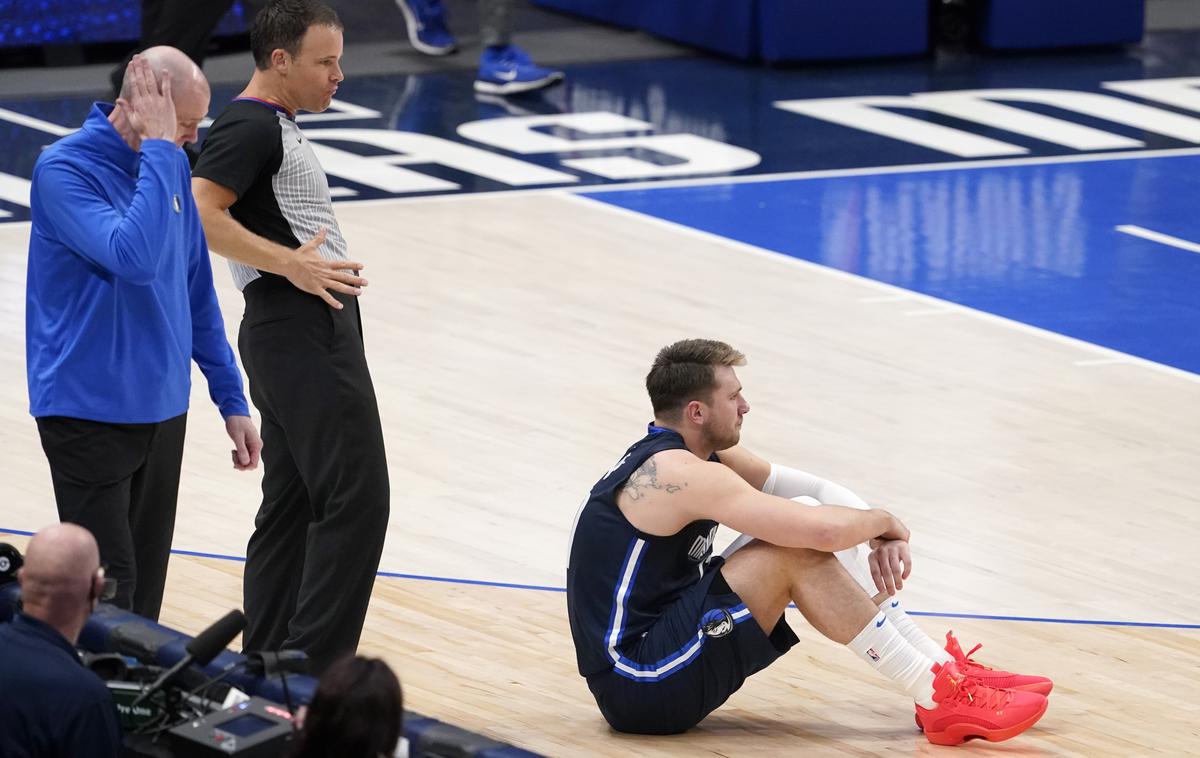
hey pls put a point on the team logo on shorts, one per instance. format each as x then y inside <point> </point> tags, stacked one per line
<point>717,622</point>
<point>178,204</point>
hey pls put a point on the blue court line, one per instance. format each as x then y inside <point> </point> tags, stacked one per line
<point>476,582</point>
<point>544,588</point>
<point>1054,621</point>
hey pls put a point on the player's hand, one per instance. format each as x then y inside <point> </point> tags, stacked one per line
<point>248,445</point>
<point>309,272</point>
<point>150,109</point>
<point>896,529</point>
<point>891,563</point>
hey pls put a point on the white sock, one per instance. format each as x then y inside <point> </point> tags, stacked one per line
<point>894,610</point>
<point>885,650</point>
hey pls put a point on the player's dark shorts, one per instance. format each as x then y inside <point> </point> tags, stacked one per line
<point>695,656</point>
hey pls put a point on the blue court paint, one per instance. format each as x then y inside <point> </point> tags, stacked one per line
<point>716,100</point>
<point>545,588</point>
<point>1032,243</point>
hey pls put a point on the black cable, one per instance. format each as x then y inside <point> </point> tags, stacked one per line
<point>287,698</point>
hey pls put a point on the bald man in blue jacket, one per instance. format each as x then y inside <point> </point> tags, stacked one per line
<point>119,301</point>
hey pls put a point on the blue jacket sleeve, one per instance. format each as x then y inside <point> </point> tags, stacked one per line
<point>128,245</point>
<point>210,347</point>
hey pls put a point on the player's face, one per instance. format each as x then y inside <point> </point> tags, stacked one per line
<point>316,70</point>
<point>723,427</point>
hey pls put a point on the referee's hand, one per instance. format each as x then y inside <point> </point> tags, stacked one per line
<point>309,272</point>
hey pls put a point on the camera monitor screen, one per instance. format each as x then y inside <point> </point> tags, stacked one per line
<point>245,725</point>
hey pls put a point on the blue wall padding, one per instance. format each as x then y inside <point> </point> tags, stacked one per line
<point>797,30</point>
<point>728,27</point>
<point>626,13</point>
<point>1021,24</point>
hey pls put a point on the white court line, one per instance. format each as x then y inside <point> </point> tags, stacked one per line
<point>14,189</point>
<point>707,181</point>
<point>928,312</point>
<point>882,299</point>
<point>1107,352</point>
<point>914,168</point>
<point>1101,361</point>
<point>34,123</point>
<point>1153,236</point>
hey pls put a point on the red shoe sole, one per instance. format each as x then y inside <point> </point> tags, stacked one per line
<point>958,734</point>
<point>1041,688</point>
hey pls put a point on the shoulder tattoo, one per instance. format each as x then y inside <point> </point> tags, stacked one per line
<point>645,479</point>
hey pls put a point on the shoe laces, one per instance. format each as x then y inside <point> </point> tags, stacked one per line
<point>955,650</point>
<point>976,695</point>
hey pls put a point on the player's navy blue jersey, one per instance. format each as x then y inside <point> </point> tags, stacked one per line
<point>619,579</point>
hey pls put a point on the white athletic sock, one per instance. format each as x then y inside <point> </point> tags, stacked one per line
<point>893,608</point>
<point>885,650</point>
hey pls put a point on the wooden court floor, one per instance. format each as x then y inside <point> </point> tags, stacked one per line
<point>508,337</point>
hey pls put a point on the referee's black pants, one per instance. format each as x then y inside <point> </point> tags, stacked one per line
<point>319,533</point>
<point>121,483</point>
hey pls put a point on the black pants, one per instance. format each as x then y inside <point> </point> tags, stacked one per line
<point>319,533</point>
<point>121,483</point>
<point>183,24</point>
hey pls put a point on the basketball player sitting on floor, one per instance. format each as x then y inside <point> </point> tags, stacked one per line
<point>664,633</point>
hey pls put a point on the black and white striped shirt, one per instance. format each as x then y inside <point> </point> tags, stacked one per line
<point>255,149</point>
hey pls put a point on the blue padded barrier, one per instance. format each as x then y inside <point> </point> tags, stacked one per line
<point>729,27</point>
<point>800,30</point>
<point>112,630</point>
<point>1025,24</point>
<point>626,13</point>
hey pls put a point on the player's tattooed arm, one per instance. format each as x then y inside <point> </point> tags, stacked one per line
<point>645,479</point>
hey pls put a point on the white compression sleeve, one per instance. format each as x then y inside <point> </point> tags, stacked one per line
<point>792,483</point>
<point>808,489</point>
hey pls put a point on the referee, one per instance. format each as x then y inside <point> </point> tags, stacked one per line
<point>265,204</point>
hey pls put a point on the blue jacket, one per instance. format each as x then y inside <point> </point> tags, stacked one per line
<point>119,296</point>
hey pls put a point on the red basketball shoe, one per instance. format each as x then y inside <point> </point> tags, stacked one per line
<point>993,677</point>
<point>966,708</point>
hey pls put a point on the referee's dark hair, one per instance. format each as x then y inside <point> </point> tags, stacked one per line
<point>281,25</point>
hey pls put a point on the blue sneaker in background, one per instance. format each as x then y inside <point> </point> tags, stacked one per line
<point>426,21</point>
<point>507,70</point>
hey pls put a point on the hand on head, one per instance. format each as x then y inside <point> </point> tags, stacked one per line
<point>147,102</point>
<point>164,95</point>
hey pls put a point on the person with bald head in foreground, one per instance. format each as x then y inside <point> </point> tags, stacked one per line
<point>50,705</point>
<point>119,301</point>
